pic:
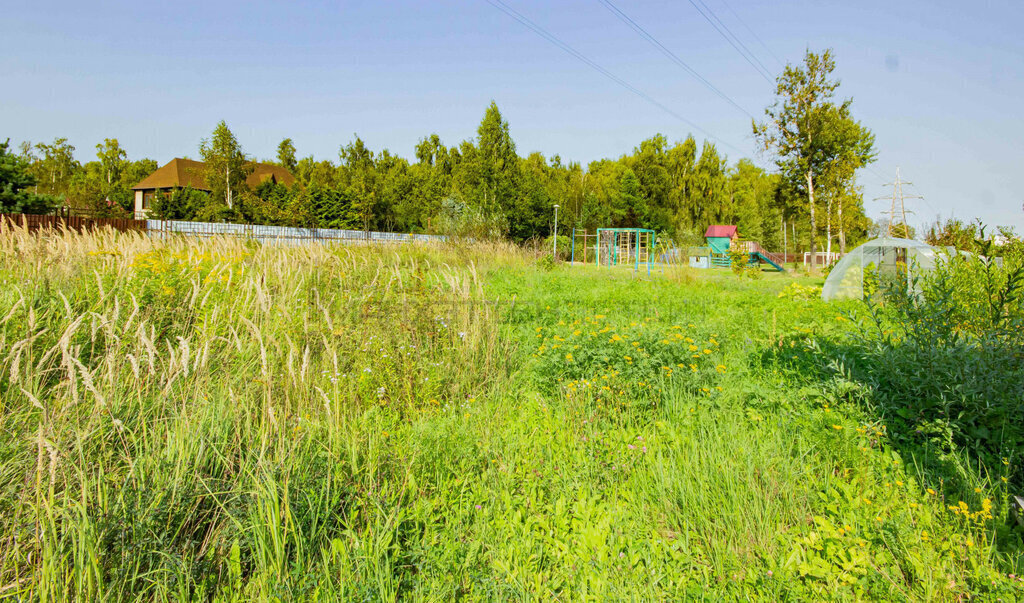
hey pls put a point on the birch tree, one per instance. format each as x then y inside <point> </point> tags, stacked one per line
<point>227,167</point>
<point>57,164</point>
<point>112,157</point>
<point>809,134</point>
<point>286,155</point>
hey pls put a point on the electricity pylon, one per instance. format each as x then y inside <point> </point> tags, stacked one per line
<point>898,206</point>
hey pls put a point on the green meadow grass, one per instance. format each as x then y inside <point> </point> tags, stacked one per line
<point>220,421</point>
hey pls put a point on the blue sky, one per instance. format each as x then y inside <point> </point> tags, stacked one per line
<point>940,83</point>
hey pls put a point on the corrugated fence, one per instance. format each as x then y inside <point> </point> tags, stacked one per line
<point>265,234</point>
<point>281,234</point>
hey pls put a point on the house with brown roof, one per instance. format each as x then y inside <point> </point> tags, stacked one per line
<point>181,173</point>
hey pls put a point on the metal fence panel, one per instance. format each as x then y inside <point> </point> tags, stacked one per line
<point>281,234</point>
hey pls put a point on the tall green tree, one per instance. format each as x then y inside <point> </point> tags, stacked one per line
<point>227,167</point>
<point>113,158</point>
<point>649,163</point>
<point>631,199</point>
<point>286,155</point>
<point>681,163</point>
<point>498,163</point>
<point>15,180</point>
<point>310,172</point>
<point>808,133</point>
<point>854,148</point>
<point>56,166</point>
<point>429,150</point>
<point>751,192</point>
<point>361,179</point>
<point>709,196</point>
<point>533,210</point>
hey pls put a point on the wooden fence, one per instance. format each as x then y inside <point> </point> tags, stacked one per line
<point>76,223</point>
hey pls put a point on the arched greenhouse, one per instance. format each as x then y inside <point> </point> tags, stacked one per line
<point>879,259</point>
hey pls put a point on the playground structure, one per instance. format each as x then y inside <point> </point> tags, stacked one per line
<point>636,248</point>
<point>722,240</point>
<point>630,247</point>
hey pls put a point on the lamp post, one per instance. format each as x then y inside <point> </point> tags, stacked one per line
<point>554,239</point>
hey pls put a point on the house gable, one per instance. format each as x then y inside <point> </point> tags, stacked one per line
<point>179,173</point>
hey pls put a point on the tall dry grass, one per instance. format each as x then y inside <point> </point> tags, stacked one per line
<point>176,409</point>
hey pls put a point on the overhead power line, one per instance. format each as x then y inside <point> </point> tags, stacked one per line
<point>671,55</point>
<point>877,174</point>
<point>508,10</point>
<point>732,40</point>
<point>750,53</point>
<point>756,37</point>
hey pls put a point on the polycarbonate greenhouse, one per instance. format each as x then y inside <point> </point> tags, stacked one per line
<point>886,258</point>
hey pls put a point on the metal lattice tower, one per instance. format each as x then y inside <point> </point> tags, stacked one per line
<point>898,205</point>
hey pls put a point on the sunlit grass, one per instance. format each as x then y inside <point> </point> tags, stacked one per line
<point>217,420</point>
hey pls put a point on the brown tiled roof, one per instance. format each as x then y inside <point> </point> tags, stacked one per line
<point>179,172</point>
<point>187,172</point>
<point>266,171</point>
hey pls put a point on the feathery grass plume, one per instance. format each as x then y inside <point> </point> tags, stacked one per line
<point>210,419</point>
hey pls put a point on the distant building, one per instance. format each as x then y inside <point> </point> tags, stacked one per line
<point>180,173</point>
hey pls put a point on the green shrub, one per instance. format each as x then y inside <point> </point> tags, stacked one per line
<point>827,270</point>
<point>546,262</point>
<point>738,260</point>
<point>943,357</point>
<point>564,247</point>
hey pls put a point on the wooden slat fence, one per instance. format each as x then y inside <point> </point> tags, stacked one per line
<point>77,223</point>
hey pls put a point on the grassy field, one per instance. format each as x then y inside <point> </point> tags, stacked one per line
<point>221,421</point>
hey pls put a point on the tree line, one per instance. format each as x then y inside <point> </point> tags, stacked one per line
<point>41,177</point>
<point>484,188</point>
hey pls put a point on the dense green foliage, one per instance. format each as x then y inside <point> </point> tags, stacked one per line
<point>102,187</point>
<point>943,359</point>
<point>15,182</point>
<point>483,187</point>
<point>221,421</point>
<point>184,204</point>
